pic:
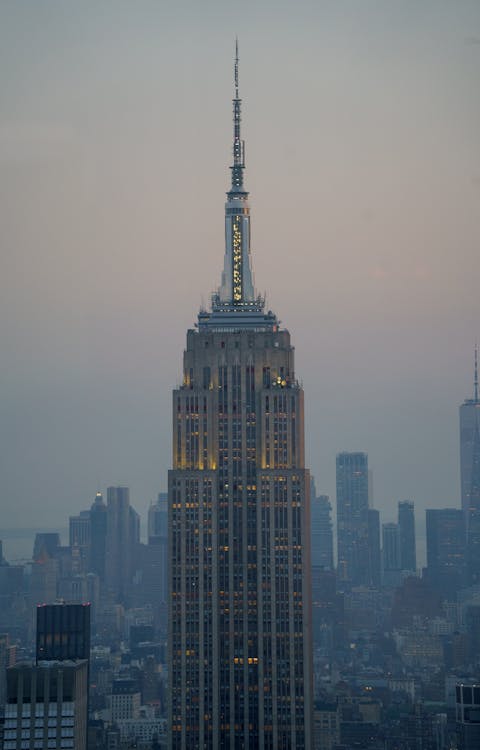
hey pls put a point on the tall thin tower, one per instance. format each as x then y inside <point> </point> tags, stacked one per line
<point>470,448</point>
<point>470,476</point>
<point>239,588</point>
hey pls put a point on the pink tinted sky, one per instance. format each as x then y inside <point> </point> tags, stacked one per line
<point>361,122</point>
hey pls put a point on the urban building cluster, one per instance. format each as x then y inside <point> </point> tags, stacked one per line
<point>91,614</point>
<point>236,625</point>
<point>395,644</point>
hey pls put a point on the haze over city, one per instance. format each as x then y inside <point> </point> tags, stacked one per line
<point>361,122</point>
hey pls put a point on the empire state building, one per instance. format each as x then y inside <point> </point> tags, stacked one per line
<point>239,582</point>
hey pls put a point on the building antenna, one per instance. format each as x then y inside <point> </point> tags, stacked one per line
<point>236,67</point>
<point>475,379</point>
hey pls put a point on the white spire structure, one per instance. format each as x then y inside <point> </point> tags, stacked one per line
<point>237,279</point>
<point>235,305</point>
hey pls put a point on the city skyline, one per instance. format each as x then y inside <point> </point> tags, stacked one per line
<point>94,244</point>
<point>278,597</point>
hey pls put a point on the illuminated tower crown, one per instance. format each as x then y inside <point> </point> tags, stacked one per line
<point>235,305</point>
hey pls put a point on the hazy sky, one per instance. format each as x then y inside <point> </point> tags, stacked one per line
<point>362,124</point>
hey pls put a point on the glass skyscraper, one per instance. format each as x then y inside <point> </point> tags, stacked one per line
<point>239,580</point>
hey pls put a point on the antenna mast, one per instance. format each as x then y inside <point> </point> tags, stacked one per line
<point>475,380</point>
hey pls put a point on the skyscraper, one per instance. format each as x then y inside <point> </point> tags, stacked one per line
<point>158,539</point>
<point>123,536</point>
<point>391,554</point>
<point>470,449</point>
<point>239,604</point>
<point>158,520</point>
<point>406,525</point>
<point>446,550</point>
<point>470,476</point>
<point>375,564</point>
<point>80,540</point>
<point>352,518</point>
<point>98,536</point>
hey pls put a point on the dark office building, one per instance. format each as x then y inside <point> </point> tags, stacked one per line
<point>446,550</point>
<point>406,525</point>
<point>321,532</point>
<point>352,518</point>
<point>46,706</point>
<point>63,632</point>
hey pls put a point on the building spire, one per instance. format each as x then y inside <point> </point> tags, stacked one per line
<point>475,378</point>
<point>238,165</point>
<point>235,304</point>
<point>236,67</point>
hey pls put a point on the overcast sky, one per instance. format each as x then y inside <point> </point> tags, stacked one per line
<point>362,124</point>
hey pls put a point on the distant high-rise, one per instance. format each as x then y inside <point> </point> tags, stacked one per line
<point>158,519</point>
<point>46,706</point>
<point>98,536</point>
<point>151,579</point>
<point>391,558</point>
<point>239,537</point>
<point>406,525</point>
<point>470,477</point>
<point>123,535</point>
<point>470,449</point>
<point>47,544</point>
<point>44,573</point>
<point>158,537</point>
<point>375,563</point>
<point>321,532</point>
<point>352,518</point>
<point>446,550</point>
<point>79,539</point>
